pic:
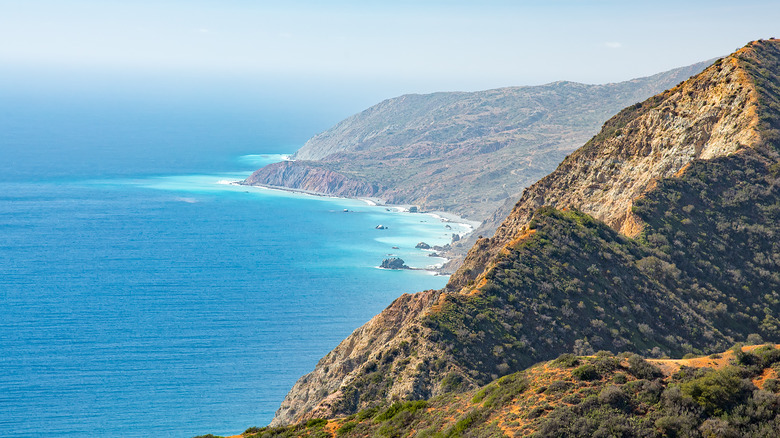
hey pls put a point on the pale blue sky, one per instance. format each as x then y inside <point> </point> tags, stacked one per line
<point>377,48</point>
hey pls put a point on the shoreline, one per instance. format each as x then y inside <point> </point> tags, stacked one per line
<point>442,216</point>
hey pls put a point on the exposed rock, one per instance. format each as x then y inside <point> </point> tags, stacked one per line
<point>708,116</point>
<point>319,394</point>
<point>381,227</point>
<point>393,263</point>
<point>311,177</point>
<point>422,245</point>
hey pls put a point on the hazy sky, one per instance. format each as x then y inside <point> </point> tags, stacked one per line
<point>378,48</point>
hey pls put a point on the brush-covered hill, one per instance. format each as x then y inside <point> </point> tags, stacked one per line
<point>464,153</point>
<point>658,237</point>
<point>730,394</point>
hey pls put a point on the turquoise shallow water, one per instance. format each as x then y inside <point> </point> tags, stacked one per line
<point>140,302</point>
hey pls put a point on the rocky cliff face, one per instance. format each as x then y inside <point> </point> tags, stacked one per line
<point>711,115</point>
<point>460,152</point>
<point>314,179</point>
<point>326,390</point>
<point>658,236</point>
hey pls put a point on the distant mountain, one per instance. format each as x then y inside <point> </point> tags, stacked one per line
<point>459,152</point>
<point>730,394</point>
<point>658,237</point>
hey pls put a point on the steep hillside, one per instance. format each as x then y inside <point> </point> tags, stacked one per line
<point>736,393</point>
<point>459,152</point>
<point>659,236</point>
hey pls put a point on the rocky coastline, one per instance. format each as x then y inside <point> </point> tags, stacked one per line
<point>447,217</point>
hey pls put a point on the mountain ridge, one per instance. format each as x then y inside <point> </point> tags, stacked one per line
<point>697,240</point>
<point>730,393</point>
<point>459,152</point>
<point>699,138</point>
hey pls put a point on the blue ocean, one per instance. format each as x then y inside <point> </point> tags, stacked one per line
<point>144,295</point>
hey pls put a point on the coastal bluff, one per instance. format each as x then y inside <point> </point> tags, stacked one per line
<point>459,152</point>
<point>656,237</point>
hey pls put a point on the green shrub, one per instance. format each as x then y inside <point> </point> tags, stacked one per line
<point>620,378</point>
<point>567,360</point>
<point>316,422</point>
<point>367,413</point>
<point>585,372</point>
<point>346,427</point>
<point>717,390</point>
<point>642,369</point>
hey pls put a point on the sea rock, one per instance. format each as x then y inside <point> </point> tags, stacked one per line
<point>381,227</point>
<point>455,237</point>
<point>422,245</point>
<point>393,263</point>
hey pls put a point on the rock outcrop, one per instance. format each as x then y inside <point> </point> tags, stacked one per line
<point>324,391</point>
<point>393,263</point>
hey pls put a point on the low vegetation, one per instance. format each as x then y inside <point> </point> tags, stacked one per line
<point>598,395</point>
<point>704,273</point>
<point>701,272</point>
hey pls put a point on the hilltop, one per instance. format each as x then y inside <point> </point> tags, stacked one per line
<point>463,153</point>
<point>734,393</point>
<point>657,237</point>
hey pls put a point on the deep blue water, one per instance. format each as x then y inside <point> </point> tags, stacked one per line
<point>141,297</point>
